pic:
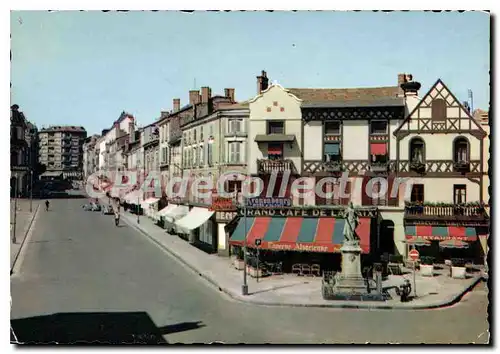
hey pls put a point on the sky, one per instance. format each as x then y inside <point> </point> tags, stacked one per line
<point>85,68</point>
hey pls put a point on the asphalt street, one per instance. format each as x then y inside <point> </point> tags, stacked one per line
<point>83,279</point>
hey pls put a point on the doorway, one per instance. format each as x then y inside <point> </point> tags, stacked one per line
<point>386,237</point>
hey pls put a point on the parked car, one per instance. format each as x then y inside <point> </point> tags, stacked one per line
<point>107,210</point>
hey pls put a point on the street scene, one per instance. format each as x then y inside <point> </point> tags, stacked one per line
<point>274,205</point>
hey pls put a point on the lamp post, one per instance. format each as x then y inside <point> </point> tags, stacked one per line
<point>138,194</point>
<point>31,191</point>
<point>15,211</point>
<point>244,287</point>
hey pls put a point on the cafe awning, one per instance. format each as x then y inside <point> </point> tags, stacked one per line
<point>441,233</point>
<point>176,213</point>
<point>146,203</point>
<point>298,234</point>
<point>195,218</point>
<point>134,197</point>
<point>167,209</point>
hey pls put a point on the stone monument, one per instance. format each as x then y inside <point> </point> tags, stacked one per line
<point>349,284</point>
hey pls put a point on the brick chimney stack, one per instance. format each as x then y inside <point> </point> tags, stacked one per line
<point>194,97</point>
<point>131,131</point>
<point>401,80</point>
<point>229,92</point>
<point>206,94</point>
<point>177,104</point>
<point>262,82</point>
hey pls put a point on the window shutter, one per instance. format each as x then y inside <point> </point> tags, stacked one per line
<point>392,201</point>
<point>238,152</point>
<point>365,197</point>
<point>438,109</point>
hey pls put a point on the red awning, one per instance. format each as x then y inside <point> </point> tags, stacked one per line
<point>274,149</point>
<point>378,148</point>
<point>298,234</point>
<point>441,233</point>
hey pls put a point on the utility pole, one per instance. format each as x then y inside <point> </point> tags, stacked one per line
<point>15,211</point>
<point>244,288</point>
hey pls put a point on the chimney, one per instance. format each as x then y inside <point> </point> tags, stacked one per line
<point>229,92</point>
<point>262,82</point>
<point>194,97</point>
<point>131,132</point>
<point>401,80</point>
<point>409,87</point>
<point>206,94</point>
<point>177,104</point>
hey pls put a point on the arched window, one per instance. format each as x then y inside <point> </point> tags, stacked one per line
<point>461,150</point>
<point>417,150</point>
<point>438,109</point>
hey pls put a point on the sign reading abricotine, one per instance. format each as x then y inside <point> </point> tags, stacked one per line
<point>269,202</point>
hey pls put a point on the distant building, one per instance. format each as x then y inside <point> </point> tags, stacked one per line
<point>61,151</point>
<point>22,152</point>
<point>90,164</point>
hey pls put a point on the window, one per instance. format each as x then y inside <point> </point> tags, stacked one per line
<point>459,194</point>
<point>275,128</point>
<point>194,136</point>
<point>438,109</point>
<point>332,152</point>
<point>417,193</point>
<point>378,127</point>
<point>274,151</point>
<point>235,125</point>
<point>332,128</point>
<point>417,150</point>
<point>203,154</point>
<point>201,133</point>
<point>210,154</point>
<point>234,152</point>
<point>211,130</point>
<point>200,155</point>
<point>461,147</point>
<point>195,156</point>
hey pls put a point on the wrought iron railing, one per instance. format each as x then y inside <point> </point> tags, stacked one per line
<point>266,166</point>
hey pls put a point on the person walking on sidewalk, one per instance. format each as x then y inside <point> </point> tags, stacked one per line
<point>47,204</point>
<point>117,216</point>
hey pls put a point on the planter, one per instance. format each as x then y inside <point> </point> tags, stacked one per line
<point>427,270</point>
<point>239,264</point>
<point>458,272</point>
<point>253,272</point>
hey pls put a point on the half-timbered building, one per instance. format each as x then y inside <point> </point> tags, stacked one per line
<point>441,147</point>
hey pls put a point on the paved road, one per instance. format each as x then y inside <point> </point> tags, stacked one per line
<point>82,278</point>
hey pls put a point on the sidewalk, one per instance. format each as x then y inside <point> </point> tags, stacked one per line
<point>291,290</point>
<point>24,221</point>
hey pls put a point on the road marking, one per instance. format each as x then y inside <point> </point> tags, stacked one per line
<point>22,252</point>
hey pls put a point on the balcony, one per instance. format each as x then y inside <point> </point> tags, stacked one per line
<point>266,166</point>
<point>461,166</point>
<point>445,211</point>
<point>379,163</point>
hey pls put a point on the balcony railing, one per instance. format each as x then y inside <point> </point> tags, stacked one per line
<point>266,166</point>
<point>451,211</point>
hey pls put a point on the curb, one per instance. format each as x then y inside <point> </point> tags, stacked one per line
<point>24,239</point>
<point>361,306</point>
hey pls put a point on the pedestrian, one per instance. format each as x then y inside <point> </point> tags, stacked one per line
<point>117,217</point>
<point>47,203</point>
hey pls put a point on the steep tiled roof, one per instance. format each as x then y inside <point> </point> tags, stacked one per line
<point>310,95</point>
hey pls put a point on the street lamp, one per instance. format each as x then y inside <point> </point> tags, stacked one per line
<point>31,191</point>
<point>138,194</point>
<point>244,287</point>
<point>15,211</point>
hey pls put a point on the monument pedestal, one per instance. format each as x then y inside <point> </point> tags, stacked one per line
<point>349,284</point>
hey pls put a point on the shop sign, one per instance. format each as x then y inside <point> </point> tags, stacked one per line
<point>219,203</point>
<point>292,212</point>
<point>269,202</point>
<point>225,216</point>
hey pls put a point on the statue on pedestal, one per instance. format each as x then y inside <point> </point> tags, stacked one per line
<point>351,223</point>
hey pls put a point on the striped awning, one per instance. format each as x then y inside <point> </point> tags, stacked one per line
<point>298,234</point>
<point>441,233</point>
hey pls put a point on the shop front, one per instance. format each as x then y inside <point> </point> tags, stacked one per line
<point>197,226</point>
<point>445,243</point>
<point>299,235</point>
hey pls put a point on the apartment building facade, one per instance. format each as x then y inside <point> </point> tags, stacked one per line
<point>61,151</point>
